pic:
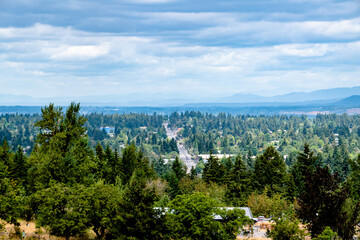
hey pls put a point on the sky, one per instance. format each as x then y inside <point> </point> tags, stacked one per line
<point>177,48</point>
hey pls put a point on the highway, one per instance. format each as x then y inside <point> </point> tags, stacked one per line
<point>183,152</point>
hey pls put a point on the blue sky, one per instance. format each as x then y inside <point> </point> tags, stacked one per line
<point>177,48</point>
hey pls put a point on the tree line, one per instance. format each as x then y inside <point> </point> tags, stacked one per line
<point>69,188</point>
<point>69,185</point>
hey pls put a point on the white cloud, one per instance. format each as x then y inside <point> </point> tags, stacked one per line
<point>272,32</point>
<point>37,31</point>
<point>104,63</point>
<point>81,52</point>
<point>303,50</point>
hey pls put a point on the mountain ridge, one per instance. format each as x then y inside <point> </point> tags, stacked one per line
<point>322,96</point>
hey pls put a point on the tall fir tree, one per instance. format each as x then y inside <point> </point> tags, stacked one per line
<point>214,171</point>
<point>304,166</point>
<point>270,170</point>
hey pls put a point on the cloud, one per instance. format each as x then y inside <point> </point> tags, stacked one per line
<point>81,52</point>
<point>269,33</point>
<point>181,48</point>
<point>303,50</point>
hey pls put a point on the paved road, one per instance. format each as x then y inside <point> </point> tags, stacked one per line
<point>183,152</point>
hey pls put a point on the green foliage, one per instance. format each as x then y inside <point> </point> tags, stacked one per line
<point>263,205</point>
<point>323,204</point>
<point>214,171</point>
<point>20,166</point>
<point>270,170</point>
<point>327,234</point>
<point>240,185</point>
<point>64,155</point>
<point>303,167</point>
<point>191,217</point>
<point>355,177</point>
<point>103,202</point>
<point>161,168</point>
<point>174,177</point>
<point>138,219</point>
<point>62,209</point>
<point>193,173</point>
<point>11,201</point>
<point>70,187</point>
<point>133,159</point>
<point>178,169</point>
<point>287,229</point>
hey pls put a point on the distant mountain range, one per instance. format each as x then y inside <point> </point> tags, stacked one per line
<point>334,96</point>
<point>319,95</point>
<point>352,101</point>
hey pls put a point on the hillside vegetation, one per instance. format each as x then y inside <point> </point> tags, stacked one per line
<point>71,173</point>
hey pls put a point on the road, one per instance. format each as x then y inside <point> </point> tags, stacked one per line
<point>183,152</point>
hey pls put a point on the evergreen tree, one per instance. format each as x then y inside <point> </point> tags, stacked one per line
<point>213,171</point>
<point>239,173</point>
<point>239,186</point>
<point>20,166</point>
<point>161,168</point>
<point>193,173</point>
<point>11,201</point>
<point>5,159</point>
<point>355,177</point>
<point>62,209</point>
<point>322,204</point>
<point>177,173</point>
<point>64,154</point>
<point>249,161</point>
<point>138,219</point>
<point>129,157</point>
<point>303,167</point>
<point>102,161</point>
<point>102,207</point>
<point>290,192</point>
<point>178,168</point>
<point>270,170</point>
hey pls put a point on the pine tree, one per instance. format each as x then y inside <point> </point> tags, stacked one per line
<point>213,171</point>
<point>137,218</point>
<point>20,166</point>
<point>174,177</point>
<point>193,173</point>
<point>303,167</point>
<point>270,170</point>
<point>102,161</point>
<point>239,186</point>
<point>178,168</point>
<point>64,154</point>
<point>322,204</point>
<point>129,162</point>
<point>239,173</point>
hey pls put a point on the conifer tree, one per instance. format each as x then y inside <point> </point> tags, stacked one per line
<point>270,170</point>
<point>64,154</point>
<point>193,173</point>
<point>138,219</point>
<point>178,168</point>
<point>239,186</point>
<point>128,160</point>
<point>20,166</point>
<point>303,167</point>
<point>175,175</point>
<point>213,171</point>
<point>323,204</point>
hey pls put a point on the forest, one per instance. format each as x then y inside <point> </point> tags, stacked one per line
<point>72,173</point>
